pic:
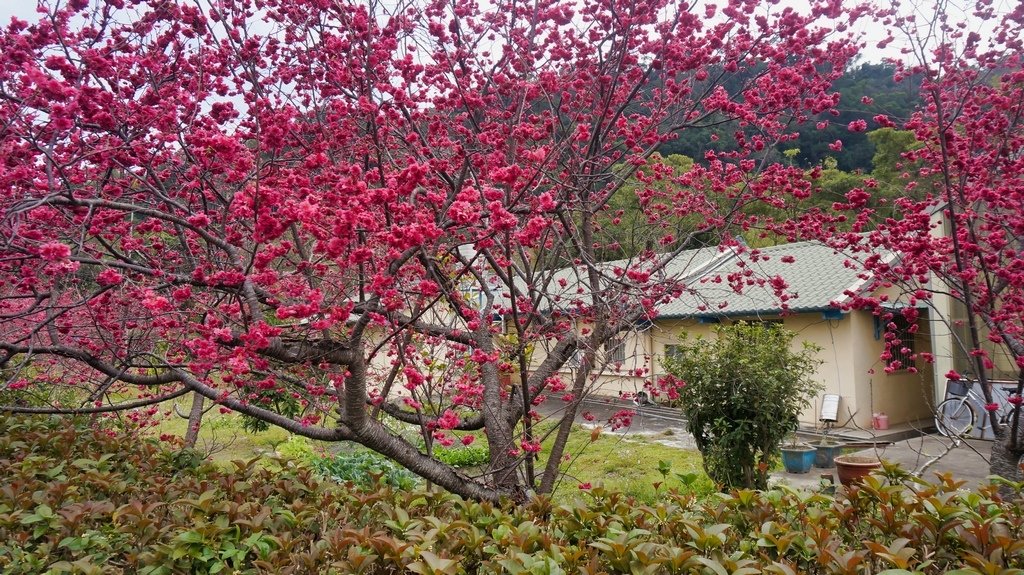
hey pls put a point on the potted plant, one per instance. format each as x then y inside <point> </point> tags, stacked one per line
<point>853,468</point>
<point>797,457</point>
<point>825,451</point>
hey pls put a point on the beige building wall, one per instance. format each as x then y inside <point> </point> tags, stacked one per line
<point>944,343</point>
<point>950,337</point>
<point>905,396</point>
<point>850,367</point>
<point>837,370</point>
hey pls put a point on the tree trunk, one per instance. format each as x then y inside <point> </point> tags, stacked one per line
<point>195,419</point>
<point>500,437</point>
<point>1005,460</point>
<point>551,471</point>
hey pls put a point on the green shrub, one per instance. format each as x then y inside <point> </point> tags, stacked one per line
<point>23,390</point>
<point>76,499</point>
<point>297,448</point>
<point>463,455</point>
<point>365,469</point>
<point>743,393</point>
<point>274,400</point>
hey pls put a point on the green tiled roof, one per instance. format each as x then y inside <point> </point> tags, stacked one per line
<point>815,275</point>
<point>688,263</point>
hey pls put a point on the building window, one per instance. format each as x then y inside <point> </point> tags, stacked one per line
<point>615,350</point>
<point>899,339</point>
<point>474,296</point>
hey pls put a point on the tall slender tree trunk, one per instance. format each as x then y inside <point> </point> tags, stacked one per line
<point>195,419</point>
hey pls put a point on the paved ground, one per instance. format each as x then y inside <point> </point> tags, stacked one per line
<point>967,462</point>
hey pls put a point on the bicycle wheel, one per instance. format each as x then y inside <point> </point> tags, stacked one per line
<point>954,417</point>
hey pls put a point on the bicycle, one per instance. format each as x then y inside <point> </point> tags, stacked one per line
<point>955,417</point>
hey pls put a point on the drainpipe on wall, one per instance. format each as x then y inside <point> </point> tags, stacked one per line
<point>654,359</point>
<point>940,324</point>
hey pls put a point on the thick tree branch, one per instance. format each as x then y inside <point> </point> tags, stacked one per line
<point>96,409</point>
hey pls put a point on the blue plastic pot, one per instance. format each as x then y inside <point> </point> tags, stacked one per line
<point>825,454</point>
<point>799,459</point>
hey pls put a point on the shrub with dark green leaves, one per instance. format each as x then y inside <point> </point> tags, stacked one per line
<point>365,469</point>
<point>743,393</point>
<point>75,499</point>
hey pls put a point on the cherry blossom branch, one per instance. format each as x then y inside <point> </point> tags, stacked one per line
<point>96,409</point>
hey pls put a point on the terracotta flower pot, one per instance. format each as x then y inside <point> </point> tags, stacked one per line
<point>852,468</point>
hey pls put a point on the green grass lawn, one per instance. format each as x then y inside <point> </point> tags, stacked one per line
<point>629,464</point>
<point>221,436</point>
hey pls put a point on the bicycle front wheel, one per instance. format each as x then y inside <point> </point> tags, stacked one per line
<point>954,417</point>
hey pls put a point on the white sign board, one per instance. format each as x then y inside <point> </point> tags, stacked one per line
<point>830,407</point>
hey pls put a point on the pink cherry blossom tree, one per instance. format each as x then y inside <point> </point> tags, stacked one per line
<point>335,216</point>
<point>958,230</point>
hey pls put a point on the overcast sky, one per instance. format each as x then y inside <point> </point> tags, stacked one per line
<point>24,9</point>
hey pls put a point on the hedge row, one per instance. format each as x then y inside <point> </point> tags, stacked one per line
<point>76,499</point>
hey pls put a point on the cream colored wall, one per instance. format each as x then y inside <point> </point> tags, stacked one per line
<point>643,353</point>
<point>614,379</point>
<point>943,341</point>
<point>903,395</point>
<point>850,367</point>
<point>669,332</point>
<point>837,370</point>
<point>949,328</point>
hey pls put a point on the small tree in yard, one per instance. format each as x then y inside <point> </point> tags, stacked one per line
<point>741,394</point>
<point>323,215</point>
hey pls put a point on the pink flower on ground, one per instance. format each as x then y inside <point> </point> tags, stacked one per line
<point>585,486</point>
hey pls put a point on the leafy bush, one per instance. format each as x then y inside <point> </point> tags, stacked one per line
<point>74,499</point>
<point>463,456</point>
<point>297,448</point>
<point>23,390</point>
<point>743,393</point>
<point>280,403</point>
<point>365,469</point>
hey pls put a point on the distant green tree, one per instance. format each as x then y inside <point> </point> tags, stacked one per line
<point>888,165</point>
<point>833,184</point>
<point>624,228</point>
<point>866,90</point>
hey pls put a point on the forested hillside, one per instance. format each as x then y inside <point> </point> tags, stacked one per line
<point>867,90</point>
